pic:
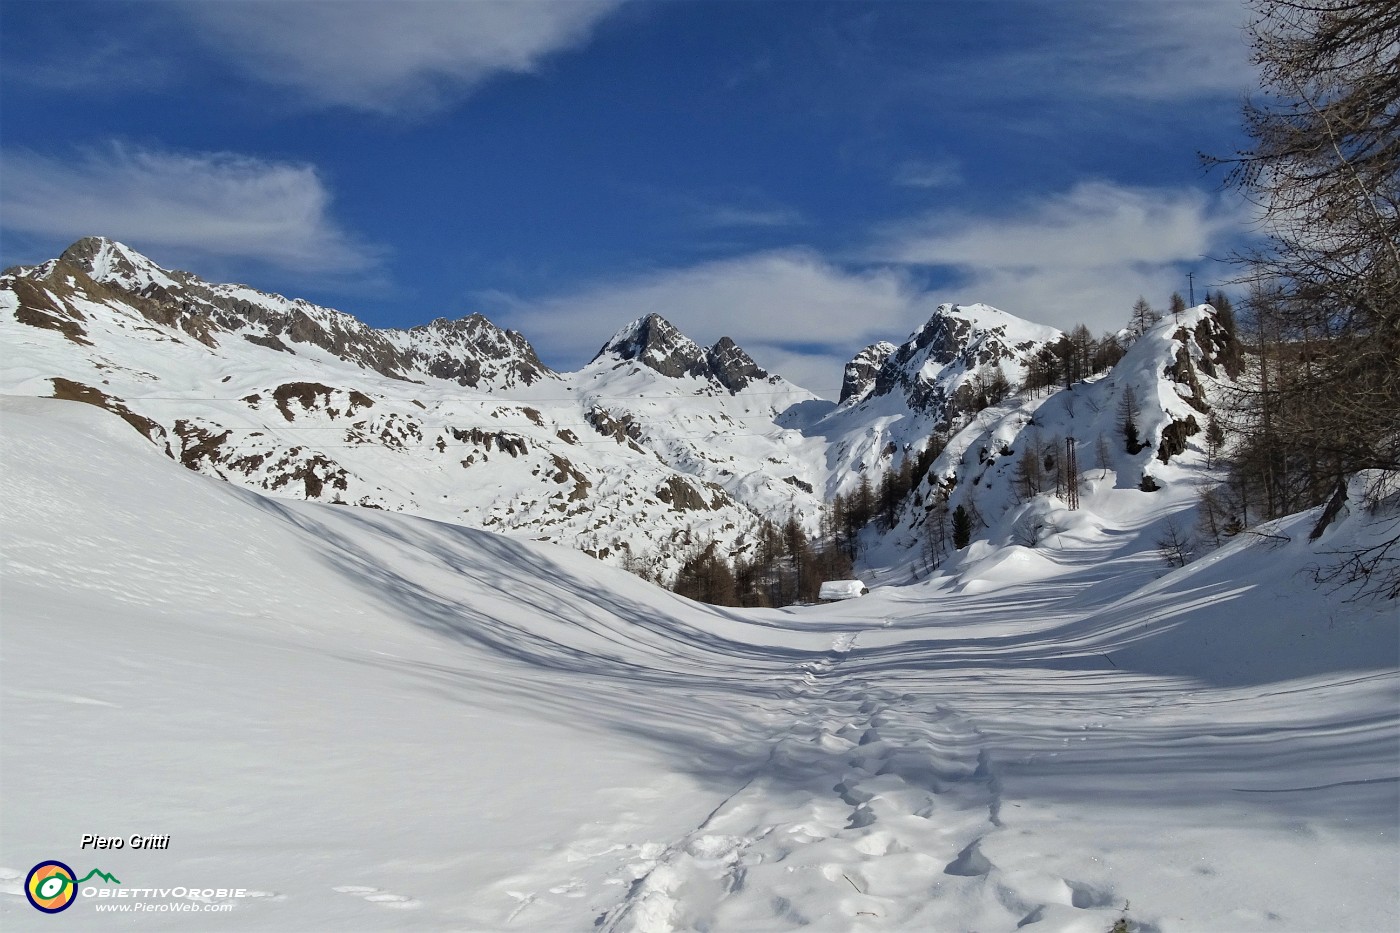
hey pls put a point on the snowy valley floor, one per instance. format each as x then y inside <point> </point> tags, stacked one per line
<point>373,722</point>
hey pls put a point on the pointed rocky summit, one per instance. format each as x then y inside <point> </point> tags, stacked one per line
<point>655,342</point>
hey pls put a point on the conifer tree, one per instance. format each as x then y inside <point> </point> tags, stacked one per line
<point>1127,410</point>
<point>962,528</point>
<point>1215,439</point>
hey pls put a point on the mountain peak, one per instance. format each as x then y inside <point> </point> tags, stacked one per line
<point>655,342</point>
<point>859,376</point>
<point>469,349</point>
<point>731,366</point>
<point>947,350</point>
<point>86,249</point>
<point>113,263</point>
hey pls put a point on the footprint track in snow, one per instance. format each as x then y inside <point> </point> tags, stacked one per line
<point>862,802</point>
<point>379,897</point>
<point>874,809</point>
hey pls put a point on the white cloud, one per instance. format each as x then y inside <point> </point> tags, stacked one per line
<point>1163,51</point>
<point>1081,256</point>
<point>814,370</point>
<point>796,313</point>
<point>392,57</point>
<point>929,173</point>
<point>1172,50</point>
<point>221,205</point>
<point>721,216</point>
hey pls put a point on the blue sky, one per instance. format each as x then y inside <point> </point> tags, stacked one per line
<point>804,177</point>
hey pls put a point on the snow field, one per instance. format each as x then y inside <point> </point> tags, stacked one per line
<point>378,722</point>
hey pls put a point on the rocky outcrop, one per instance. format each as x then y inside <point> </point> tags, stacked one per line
<point>731,367</point>
<point>938,361</point>
<point>655,342</point>
<point>858,379</point>
<point>472,350</point>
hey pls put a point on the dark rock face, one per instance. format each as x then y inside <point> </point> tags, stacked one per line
<point>110,262</point>
<point>681,496</point>
<point>1217,353</point>
<point>942,340</point>
<point>83,252</point>
<point>731,366</point>
<point>941,336</point>
<point>949,337</point>
<point>859,376</point>
<point>655,343</point>
<point>1174,437</point>
<point>798,483</point>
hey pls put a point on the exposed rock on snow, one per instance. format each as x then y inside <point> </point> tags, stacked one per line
<point>654,342</point>
<point>859,376</point>
<point>470,352</point>
<point>940,357</point>
<point>454,419</point>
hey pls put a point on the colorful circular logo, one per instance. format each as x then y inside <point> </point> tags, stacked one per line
<point>51,887</point>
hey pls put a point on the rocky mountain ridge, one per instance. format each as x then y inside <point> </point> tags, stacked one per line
<point>934,365</point>
<point>457,420</point>
<point>656,445</point>
<point>471,351</point>
<point>655,342</point>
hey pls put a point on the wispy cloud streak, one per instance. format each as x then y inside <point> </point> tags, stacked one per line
<point>222,205</point>
<point>407,57</point>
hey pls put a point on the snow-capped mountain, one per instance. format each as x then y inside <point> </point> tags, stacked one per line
<point>656,344</point>
<point>934,368</point>
<point>1015,465</point>
<point>858,378</point>
<point>471,352</point>
<point>895,398</point>
<point>655,445</point>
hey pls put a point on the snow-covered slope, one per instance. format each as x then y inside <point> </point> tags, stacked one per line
<point>371,721</point>
<point>471,352</point>
<point>1009,467</point>
<point>712,413</point>
<point>655,445</point>
<point>938,361</point>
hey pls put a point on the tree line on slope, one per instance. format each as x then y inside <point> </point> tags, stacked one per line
<point>787,567</point>
<point>1320,402</point>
